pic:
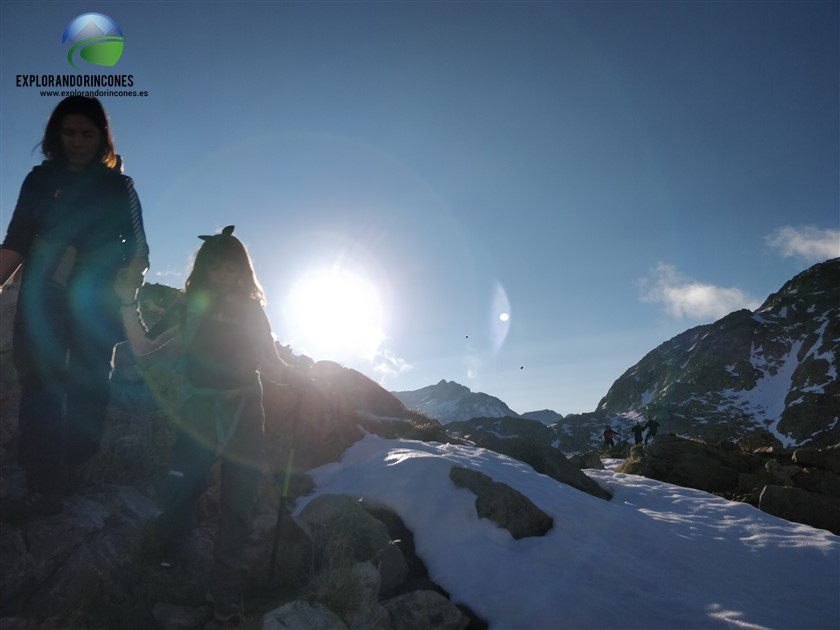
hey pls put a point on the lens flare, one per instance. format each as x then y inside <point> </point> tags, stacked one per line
<point>500,318</point>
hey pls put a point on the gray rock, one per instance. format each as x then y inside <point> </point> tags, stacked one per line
<point>339,526</point>
<point>422,610</point>
<point>687,463</point>
<point>819,481</point>
<point>782,474</point>
<point>592,459</point>
<point>801,506</point>
<point>365,612</point>
<point>173,617</point>
<point>393,567</point>
<point>300,614</point>
<point>824,458</point>
<point>502,504</point>
<point>531,442</point>
<point>69,558</point>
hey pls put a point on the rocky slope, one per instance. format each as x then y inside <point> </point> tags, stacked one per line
<point>92,565</point>
<point>767,379</point>
<point>546,416</point>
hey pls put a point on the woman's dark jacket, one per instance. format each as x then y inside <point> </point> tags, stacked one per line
<point>74,230</point>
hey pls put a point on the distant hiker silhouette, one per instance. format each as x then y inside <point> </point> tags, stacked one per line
<point>219,330</point>
<point>652,426</point>
<point>609,436</point>
<point>76,226</point>
<point>638,430</point>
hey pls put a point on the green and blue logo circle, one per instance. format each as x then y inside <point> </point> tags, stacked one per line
<point>95,38</point>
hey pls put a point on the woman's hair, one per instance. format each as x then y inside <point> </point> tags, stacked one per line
<point>92,109</point>
<point>225,248</point>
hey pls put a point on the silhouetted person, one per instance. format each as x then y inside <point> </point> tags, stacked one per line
<point>219,330</point>
<point>651,426</point>
<point>609,436</point>
<point>638,430</point>
<point>76,226</point>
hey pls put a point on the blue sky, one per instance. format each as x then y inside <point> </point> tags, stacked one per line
<point>605,174</point>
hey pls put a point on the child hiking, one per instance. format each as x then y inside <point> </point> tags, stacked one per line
<point>220,333</point>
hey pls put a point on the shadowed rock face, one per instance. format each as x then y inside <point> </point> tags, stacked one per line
<point>802,506</point>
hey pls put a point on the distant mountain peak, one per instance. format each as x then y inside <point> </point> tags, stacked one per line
<point>769,372</point>
<point>448,401</point>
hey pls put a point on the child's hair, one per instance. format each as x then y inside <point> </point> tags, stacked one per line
<point>225,247</point>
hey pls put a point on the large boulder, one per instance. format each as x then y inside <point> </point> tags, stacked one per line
<point>772,479</point>
<point>548,461</point>
<point>688,463</point>
<point>301,614</point>
<point>421,610</point>
<point>801,506</point>
<point>57,564</point>
<point>343,533</point>
<point>824,458</point>
<point>502,504</point>
<point>352,593</point>
<point>531,442</point>
<point>818,481</point>
<point>591,459</point>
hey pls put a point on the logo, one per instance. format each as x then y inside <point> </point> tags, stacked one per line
<point>95,38</point>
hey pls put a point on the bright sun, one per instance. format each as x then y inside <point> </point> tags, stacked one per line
<point>335,314</point>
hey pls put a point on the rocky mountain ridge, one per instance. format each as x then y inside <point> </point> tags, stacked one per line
<point>448,401</point>
<point>773,371</point>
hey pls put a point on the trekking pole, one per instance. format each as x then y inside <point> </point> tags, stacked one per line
<point>284,496</point>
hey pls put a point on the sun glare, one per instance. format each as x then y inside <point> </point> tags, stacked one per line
<point>335,314</point>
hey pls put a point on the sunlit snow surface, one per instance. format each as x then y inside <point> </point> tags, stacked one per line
<point>656,556</point>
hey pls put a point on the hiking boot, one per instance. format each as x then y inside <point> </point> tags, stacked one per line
<point>227,606</point>
<point>33,505</point>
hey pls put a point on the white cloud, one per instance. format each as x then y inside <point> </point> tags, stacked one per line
<point>685,298</point>
<point>387,364</point>
<point>807,242</point>
<point>169,273</point>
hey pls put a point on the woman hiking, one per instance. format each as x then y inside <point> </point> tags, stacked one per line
<point>76,226</point>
